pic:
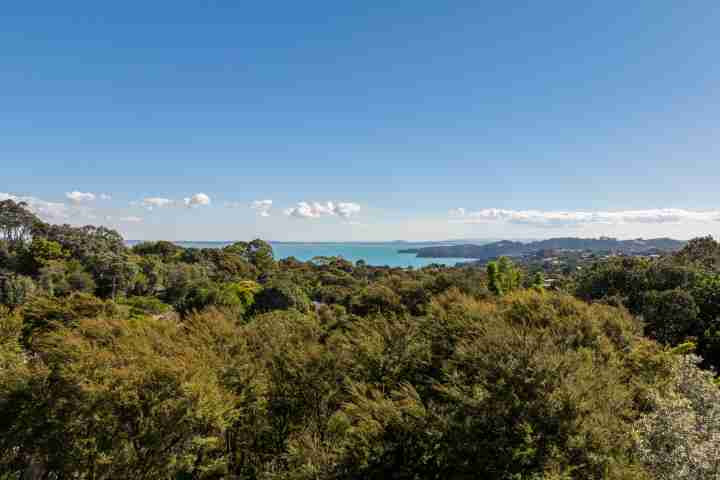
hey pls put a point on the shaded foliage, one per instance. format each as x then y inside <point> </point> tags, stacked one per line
<point>281,295</point>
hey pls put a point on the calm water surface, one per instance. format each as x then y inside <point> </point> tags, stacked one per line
<point>377,254</point>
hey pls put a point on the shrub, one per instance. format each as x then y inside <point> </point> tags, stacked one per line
<point>81,281</point>
<point>530,386</point>
<point>376,299</point>
<point>281,295</point>
<point>680,438</point>
<point>45,313</point>
<point>671,316</point>
<point>143,306</point>
<point>119,400</point>
<point>16,290</point>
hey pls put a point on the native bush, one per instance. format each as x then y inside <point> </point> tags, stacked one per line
<point>680,438</point>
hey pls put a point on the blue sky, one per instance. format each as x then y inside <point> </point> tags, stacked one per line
<point>402,120</point>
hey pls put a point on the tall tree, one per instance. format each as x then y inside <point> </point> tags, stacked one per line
<point>703,250</point>
<point>17,222</point>
<point>503,276</point>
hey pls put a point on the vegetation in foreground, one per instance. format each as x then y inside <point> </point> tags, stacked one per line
<point>159,362</point>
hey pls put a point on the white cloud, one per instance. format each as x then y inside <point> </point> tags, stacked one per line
<point>150,203</point>
<point>105,196</point>
<point>347,209</point>
<point>197,200</point>
<point>131,219</point>
<point>262,207</point>
<point>303,210</point>
<point>560,218</point>
<point>153,202</point>
<point>317,210</point>
<point>79,197</point>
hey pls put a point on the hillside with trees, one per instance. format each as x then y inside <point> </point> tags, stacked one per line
<point>509,248</point>
<point>163,362</point>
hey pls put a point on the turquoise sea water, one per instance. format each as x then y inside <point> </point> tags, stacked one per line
<point>377,254</point>
<point>373,254</point>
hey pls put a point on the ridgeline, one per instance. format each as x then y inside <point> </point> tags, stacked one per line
<point>516,249</point>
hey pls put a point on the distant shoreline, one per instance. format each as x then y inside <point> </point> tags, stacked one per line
<point>372,253</point>
<point>343,242</point>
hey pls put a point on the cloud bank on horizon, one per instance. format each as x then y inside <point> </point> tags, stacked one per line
<point>77,197</point>
<point>128,219</point>
<point>79,207</point>
<point>560,218</point>
<point>194,201</point>
<point>150,203</point>
<point>305,210</point>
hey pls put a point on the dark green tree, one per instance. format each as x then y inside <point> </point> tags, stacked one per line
<point>375,299</point>
<point>704,251</point>
<point>279,294</point>
<point>17,222</point>
<point>670,316</point>
<point>503,276</point>
<point>15,290</point>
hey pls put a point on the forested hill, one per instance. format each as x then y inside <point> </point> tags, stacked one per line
<point>161,362</point>
<point>510,248</point>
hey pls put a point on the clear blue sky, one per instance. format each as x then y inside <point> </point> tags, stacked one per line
<point>398,111</point>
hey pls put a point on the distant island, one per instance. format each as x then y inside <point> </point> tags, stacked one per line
<point>510,248</point>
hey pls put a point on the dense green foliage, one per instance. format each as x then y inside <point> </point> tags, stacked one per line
<point>160,362</point>
<point>678,297</point>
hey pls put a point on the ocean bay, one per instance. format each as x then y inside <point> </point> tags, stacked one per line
<point>376,254</point>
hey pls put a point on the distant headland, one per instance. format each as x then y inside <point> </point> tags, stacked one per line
<point>517,249</point>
